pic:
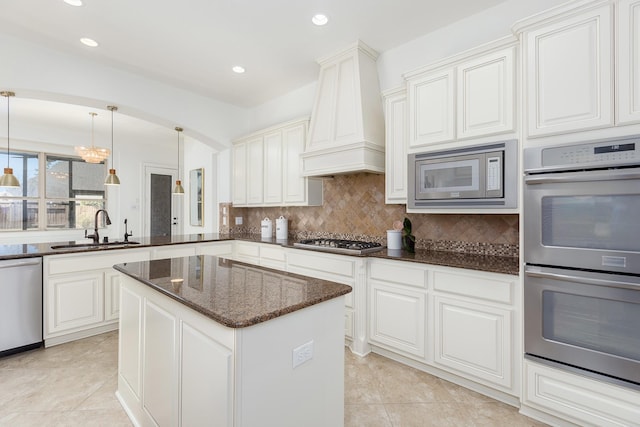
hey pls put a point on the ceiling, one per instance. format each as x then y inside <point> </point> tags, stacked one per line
<point>193,44</point>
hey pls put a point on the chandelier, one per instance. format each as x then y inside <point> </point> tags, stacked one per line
<point>93,154</point>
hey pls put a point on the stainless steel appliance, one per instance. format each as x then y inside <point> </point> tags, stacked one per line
<point>582,256</point>
<point>20,305</point>
<point>482,176</point>
<point>352,247</point>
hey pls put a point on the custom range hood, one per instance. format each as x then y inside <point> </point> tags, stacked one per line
<point>346,134</point>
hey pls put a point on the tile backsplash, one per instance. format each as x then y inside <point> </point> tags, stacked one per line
<point>354,207</point>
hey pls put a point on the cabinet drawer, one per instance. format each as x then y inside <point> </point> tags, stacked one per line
<point>480,285</point>
<point>247,250</point>
<point>338,268</point>
<point>273,253</point>
<point>174,251</point>
<point>403,273</point>
<point>58,264</point>
<point>217,249</point>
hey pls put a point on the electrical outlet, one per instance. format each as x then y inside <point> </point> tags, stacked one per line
<point>238,220</point>
<point>302,354</point>
<point>224,220</point>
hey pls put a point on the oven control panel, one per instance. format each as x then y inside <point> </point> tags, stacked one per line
<point>605,153</point>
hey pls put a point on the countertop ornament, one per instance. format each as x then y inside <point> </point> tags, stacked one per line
<point>408,239</point>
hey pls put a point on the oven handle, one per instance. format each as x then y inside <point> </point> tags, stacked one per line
<point>575,279</point>
<point>584,176</point>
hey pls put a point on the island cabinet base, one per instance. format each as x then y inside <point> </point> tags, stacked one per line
<point>178,367</point>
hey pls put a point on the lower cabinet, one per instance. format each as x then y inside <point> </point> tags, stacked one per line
<point>474,326</point>
<point>558,397</point>
<point>451,321</point>
<point>398,306</point>
<point>82,293</point>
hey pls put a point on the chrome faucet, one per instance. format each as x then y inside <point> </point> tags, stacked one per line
<point>95,236</point>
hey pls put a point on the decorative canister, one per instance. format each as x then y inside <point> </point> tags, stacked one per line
<point>267,228</point>
<point>394,239</point>
<point>282,228</point>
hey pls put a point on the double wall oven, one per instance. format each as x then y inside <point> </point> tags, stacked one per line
<point>582,258</point>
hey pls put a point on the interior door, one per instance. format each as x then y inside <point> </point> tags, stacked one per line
<point>162,210</point>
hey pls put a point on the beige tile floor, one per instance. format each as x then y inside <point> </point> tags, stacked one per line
<point>73,385</point>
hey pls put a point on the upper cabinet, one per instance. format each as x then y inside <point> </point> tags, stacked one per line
<point>395,107</point>
<point>467,96</point>
<point>568,71</point>
<point>267,169</point>
<point>628,95</point>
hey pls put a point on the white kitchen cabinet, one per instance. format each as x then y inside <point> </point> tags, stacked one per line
<point>298,190</point>
<point>268,168</point>
<point>559,397</point>
<point>239,173</point>
<point>398,306</point>
<point>628,88</point>
<point>431,108</point>
<point>81,293</point>
<point>469,95</point>
<point>75,301</point>
<point>273,171</point>
<point>396,140</point>
<point>568,71</point>
<point>173,251</point>
<point>486,95</point>
<point>255,171</point>
<point>474,326</point>
<point>111,295</point>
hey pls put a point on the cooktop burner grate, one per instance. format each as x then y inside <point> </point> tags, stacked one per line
<point>340,245</point>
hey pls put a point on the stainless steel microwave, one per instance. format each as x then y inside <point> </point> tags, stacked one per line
<point>481,176</point>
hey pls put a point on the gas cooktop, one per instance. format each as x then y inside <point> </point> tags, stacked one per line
<point>354,247</point>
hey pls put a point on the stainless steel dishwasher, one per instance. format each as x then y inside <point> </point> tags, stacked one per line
<point>20,305</point>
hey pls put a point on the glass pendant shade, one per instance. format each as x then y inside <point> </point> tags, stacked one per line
<point>8,179</point>
<point>92,154</point>
<point>112,178</point>
<point>178,190</point>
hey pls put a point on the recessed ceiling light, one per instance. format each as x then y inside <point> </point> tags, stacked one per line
<point>320,19</point>
<point>73,2</point>
<point>89,42</point>
<point>238,69</point>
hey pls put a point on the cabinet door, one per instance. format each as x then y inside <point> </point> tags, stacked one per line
<point>206,380</point>
<point>273,168</point>
<point>75,301</point>
<point>568,72</point>
<point>398,318</point>
<point>293,140</point>
<point>431,109</point>
<point>486,95</point>
<point>396,147</point>
<point>255,177</point>
<point>474,339</point>
<point>239,183</point>
<point>111,295</point>
<point>629,61</point>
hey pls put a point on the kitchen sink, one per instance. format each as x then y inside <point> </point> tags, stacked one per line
<point>103,245</point>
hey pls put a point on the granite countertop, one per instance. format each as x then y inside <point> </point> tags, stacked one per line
<point>490,263</point>
<point>232,293</point>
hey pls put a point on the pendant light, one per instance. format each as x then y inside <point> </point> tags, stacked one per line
<point>178,190</point>
<point>8,179</point>
<point>112,178</point>
<point>93,154</point>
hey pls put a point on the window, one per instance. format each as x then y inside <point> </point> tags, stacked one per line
<point>73,193</point>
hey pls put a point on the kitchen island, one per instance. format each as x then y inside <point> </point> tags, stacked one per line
<point>210,341</point>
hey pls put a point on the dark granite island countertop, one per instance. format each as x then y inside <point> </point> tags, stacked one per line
<point>232,293</point>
